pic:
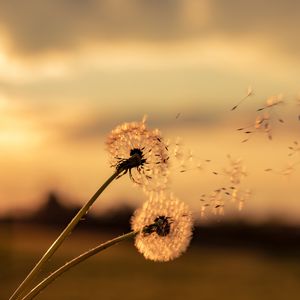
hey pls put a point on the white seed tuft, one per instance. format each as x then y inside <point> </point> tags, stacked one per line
<point>151,166</point>
<point>170,246</point>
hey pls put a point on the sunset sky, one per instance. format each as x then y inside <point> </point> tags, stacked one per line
<point>71,70</point>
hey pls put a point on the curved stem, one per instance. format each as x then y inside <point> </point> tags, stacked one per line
<point>43,284</point>
<point>67,231</point>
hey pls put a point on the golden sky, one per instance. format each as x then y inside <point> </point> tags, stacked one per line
<point>71,70</point>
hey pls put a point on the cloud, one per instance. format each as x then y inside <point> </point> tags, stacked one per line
<point>36,27</point>
<point>33,26</point>
<point>278,24</point>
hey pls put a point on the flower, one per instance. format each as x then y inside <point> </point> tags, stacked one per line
<point>139,151</point>
<point>165,227</point>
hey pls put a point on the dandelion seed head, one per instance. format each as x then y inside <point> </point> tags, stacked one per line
<point>166,225</point>
<point>140,151</point>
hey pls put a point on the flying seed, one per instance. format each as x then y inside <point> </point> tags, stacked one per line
<point>249,93</point>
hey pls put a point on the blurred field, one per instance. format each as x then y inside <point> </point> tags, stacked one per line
<point>122,273</point>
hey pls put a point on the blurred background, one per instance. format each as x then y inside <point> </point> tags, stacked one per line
<point>70,71</point>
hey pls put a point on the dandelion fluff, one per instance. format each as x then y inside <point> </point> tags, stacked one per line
<point>166,227</point>
<point>140,152</point>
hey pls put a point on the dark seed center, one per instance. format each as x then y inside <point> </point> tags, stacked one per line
<point>137,157</point>
<point>135,160</point>
<point>136,151</point>
<point>161,225</point>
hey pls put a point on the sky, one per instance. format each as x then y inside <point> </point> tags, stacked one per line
<point>70,71</point>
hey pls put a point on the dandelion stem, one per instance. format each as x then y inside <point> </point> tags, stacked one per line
<point>43,284</point>
<point>66,232</point>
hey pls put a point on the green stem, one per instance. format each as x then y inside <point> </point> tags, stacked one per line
<point>43,284</point>
<point>67,231</point>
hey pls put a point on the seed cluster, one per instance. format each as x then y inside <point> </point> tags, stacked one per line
<point>231,194</point>
<point>264,119</point>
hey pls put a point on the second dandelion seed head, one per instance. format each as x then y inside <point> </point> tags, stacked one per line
<point>165,226</point>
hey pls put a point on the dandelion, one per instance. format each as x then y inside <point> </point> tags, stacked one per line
<point>139,151</point>
<point>134,149</point>
<point>250,93</point>
<point>166,227</point>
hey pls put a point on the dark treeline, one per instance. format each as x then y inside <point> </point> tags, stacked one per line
<point>272,237</point>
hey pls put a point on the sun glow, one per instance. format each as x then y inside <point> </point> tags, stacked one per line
<point>15,133</point>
